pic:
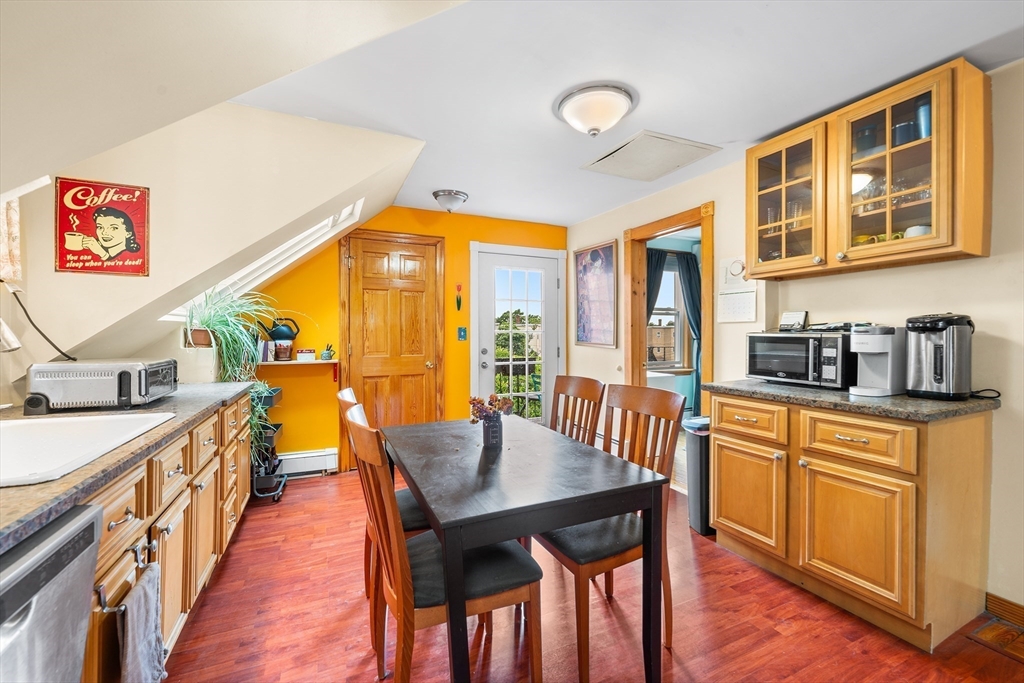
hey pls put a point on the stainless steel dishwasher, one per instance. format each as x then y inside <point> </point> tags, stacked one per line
<point>45,595</point>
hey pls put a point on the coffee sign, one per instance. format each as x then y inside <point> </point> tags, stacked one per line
<point>101,228</point>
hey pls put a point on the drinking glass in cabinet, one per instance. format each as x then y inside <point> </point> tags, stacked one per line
<point>768,207</point>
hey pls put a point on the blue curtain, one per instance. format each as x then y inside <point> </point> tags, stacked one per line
<point>655,270</point>
<point>689,279</point>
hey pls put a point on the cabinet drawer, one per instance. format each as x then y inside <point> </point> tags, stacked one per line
<point>204,443</point>
<point>230,421</point>
<point>748,492</point>
<point>124,513</point>
<point>168,473</point>
<point>758,419</point>
<point>244,408</point>
<point>228,468</point>
<point>885,444</point>
<point>228,519</point>
<point>858,532</point>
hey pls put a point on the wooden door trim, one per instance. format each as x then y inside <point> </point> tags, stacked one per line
<point>634,249</point>
<point>346,461</point>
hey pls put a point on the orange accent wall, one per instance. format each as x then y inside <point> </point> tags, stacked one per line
<point>458,231</point>
<point>309,293</point>
<point>309,407</point>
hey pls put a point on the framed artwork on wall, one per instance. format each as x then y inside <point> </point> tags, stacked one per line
<point>101,228</point>
<point>596,312</point>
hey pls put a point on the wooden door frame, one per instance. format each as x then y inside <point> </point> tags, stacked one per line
<point>634,254</point>
<point>344,336</point>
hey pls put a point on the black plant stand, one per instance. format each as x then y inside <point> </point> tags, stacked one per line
<point>266,482</point>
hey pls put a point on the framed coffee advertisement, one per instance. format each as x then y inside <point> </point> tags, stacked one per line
<point>101,227</point>
<point>595,269</point>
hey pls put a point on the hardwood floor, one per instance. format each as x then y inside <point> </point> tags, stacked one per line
<point>286,604</point>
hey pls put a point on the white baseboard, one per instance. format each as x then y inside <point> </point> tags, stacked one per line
<point>315,462</point>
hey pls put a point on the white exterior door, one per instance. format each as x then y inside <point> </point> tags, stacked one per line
<point>518,319</point>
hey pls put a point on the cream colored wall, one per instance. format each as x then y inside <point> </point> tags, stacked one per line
<point>227,185</point>
<point>79,78</point>
<point>725,187</point>
<point>991,290</point>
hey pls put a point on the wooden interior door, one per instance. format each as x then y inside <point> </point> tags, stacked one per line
<point>395,329</point>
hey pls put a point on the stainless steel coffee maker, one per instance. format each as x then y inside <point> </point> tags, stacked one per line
<point>939,356</point>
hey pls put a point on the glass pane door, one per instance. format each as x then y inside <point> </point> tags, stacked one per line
<point>891,173</point>
<point>519,327</point>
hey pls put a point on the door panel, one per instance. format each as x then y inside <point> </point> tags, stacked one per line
<point>748,492</point>
<point>518,331</point>
<point>394,328</point>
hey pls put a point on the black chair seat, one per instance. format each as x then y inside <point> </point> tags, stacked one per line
<point>489,570</point>
<point>409,510</point>
<point>593,541</point>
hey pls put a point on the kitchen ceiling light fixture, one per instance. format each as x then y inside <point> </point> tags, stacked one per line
<point>450,200</point>
<point>595,109</point>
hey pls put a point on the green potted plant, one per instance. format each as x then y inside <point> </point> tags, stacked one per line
<point>231,322</point>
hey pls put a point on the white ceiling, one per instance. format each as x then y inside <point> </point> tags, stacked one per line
<point>477,83</point>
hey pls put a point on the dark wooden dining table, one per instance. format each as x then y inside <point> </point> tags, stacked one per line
<point>539,480</point>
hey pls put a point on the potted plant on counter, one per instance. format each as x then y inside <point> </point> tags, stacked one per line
<point>230,324</point>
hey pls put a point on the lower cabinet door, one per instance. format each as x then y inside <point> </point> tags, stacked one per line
<point>857,531</point>
<point>228,519</point>
<point>169,536</point>
<point>102,649</point>
<point>748,492</point>
<point>205,525</point>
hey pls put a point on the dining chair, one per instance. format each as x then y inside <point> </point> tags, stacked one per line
<point>413,520</point>
<point>411,571</point>
<point>580,399</point>
<point>645,432</point>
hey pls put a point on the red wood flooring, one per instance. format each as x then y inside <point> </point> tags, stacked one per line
<point>286,604</point>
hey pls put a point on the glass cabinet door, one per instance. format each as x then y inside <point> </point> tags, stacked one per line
<point>894,176</point>
<point>785,202</point>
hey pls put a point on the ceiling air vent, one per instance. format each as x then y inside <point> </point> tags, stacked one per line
<point>649,156</point>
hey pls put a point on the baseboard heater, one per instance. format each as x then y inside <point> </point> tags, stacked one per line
<point>309,463</point>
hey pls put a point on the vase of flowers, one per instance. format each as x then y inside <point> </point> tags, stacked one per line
<point>489,414</point>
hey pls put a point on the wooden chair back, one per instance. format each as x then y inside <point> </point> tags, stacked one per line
<point>372,461</point>
<point>647,426</point>
<point>580,399</point>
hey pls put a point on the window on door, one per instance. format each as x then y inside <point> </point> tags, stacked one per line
<point>669,342</point>
<point>519,327</point>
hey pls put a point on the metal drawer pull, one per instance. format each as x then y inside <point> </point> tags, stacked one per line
<point>232,467</point>
<point>129,515</point>
<point>852,440</point>
<point>138,548</point>
<point>101,591</point>
<point>178,470</point>
<point>245,411</point>
<point>241,439</point>
<point>208,441</point>
<point>232,423</point>
<point>802,463</point>
<point>232,518</point>
<point>777,456</point>
<point>167,530</point>
<point>201,486</point>
<point>745,419</point>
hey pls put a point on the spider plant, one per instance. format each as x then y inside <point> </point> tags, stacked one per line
<point>231,319</point>
<point>258,421</point>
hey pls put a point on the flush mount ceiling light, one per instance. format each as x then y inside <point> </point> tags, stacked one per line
<point>450,199</point>
<point>595,109</point>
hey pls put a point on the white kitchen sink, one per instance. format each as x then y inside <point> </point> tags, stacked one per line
<point>47,448</point>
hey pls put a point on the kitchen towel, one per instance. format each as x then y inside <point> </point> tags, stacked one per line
<point>142,643</point>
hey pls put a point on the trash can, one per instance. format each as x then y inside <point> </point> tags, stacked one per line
<point>698,473</point>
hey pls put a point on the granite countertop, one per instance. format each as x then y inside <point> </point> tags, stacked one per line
<point>26,509</point>
<point>900,407</point>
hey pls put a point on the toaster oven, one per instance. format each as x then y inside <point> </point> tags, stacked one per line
<point>98,384</point>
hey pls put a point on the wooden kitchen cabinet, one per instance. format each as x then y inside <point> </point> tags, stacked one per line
<point>885,517</point>
<point>914,157</point>
<point>786,202</point>
<point>205,546</point>
<point>169,536</point>
<point>124,514</point>
<point>748,493</point>
<point>857,530</point>
<point>102,649</point>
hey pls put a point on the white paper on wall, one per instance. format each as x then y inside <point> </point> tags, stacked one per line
<point>737,297</point>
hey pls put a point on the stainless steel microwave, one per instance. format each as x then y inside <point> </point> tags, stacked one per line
<point>819,359</point>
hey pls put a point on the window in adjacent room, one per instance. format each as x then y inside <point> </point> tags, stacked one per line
<point>669,342</point>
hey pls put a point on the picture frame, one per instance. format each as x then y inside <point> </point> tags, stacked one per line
<point>101,228</point>
<point>596,274</point>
